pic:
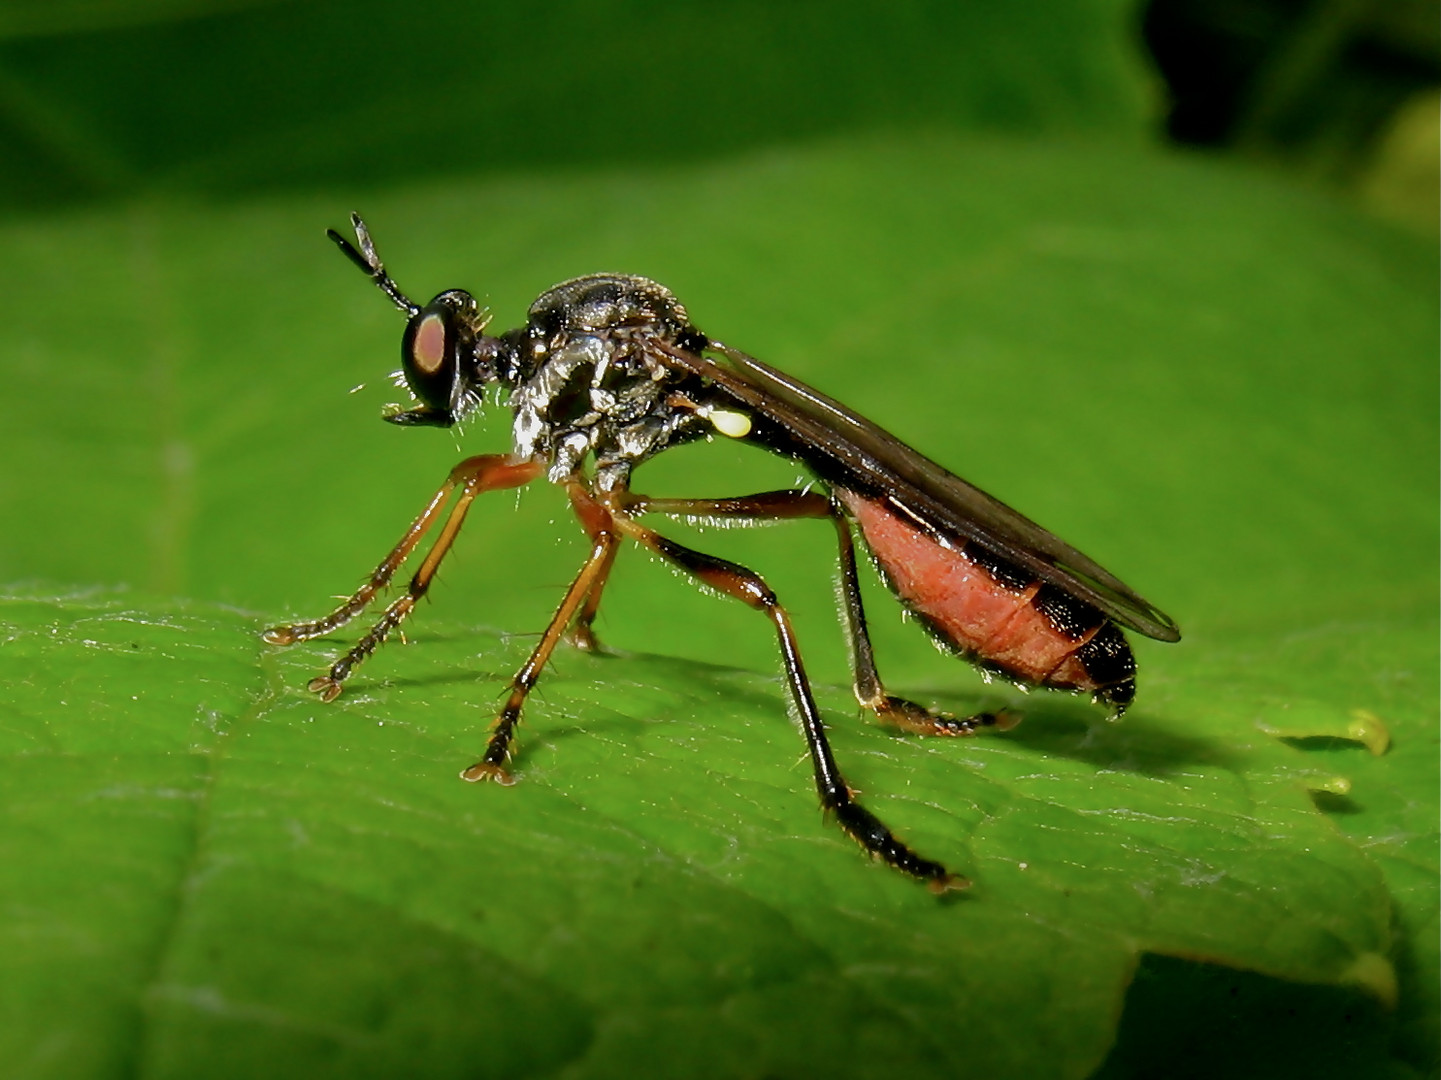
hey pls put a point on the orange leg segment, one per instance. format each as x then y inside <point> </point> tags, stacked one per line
<point>487,472</point>
<point>605,539</point>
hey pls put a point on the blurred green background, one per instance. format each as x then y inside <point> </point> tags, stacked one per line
<point>1188,324</point>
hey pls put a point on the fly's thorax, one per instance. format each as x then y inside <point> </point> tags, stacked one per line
<point>588,379</point>
<point>591,377</point>
<point>601,391</point>
<point>604,302</point>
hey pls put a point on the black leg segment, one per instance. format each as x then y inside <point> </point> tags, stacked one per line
<point>746,585</point>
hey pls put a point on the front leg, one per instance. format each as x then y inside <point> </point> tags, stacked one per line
<point>488,472</point>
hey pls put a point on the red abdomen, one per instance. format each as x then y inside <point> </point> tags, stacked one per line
<point>998,615</point>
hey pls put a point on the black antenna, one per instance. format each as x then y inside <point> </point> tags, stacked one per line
<point>366,259</point>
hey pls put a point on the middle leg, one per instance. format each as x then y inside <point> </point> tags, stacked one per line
<point>596,521</point>
<point>836,798</point>
<point>604,540</point>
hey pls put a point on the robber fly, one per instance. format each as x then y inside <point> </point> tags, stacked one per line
<point>609,370</point>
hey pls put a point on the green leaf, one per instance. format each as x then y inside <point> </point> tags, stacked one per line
<point>267,878</point>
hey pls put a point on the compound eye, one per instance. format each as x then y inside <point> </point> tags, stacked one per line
<point>430,356</point>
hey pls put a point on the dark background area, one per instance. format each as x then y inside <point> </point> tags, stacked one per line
<point>229,98</point>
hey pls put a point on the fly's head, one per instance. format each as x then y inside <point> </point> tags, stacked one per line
<point>446,357</point>
<point>447,360</point>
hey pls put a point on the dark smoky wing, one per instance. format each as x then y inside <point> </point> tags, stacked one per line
<point>845,446</point>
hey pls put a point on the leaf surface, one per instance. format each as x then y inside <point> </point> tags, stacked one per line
<point>1222,390</point>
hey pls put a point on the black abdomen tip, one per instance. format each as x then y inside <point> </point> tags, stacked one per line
<point>1108,661</point>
